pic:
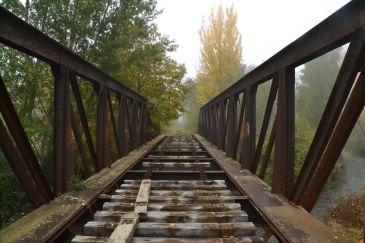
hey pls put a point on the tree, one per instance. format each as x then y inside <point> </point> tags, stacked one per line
<point>119,37</point>
<point>220,54</point>
<point>316,82</point>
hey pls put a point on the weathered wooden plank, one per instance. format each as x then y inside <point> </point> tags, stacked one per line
<point>178,199</point>
<point>174,150</point>
<point>247,239</point>
<point>89,239</point>
<point>143,197</point>
<point>163,186</point>
<point>123,198</point>
<point>124,232</point>
<point>173,165</point>
<point>177,217</point>
<point>109,216</point>
<point>176,156</point>
<point>196,217</point>
<point>105,229</point>
<point>198,230</point>
<point>163,159</point>
<point>290,223</point>
<point>179,182</point>
<point>192,193</point>
<point>116,206</point>
<point>127,192</point>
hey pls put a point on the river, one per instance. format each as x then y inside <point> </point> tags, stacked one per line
<point>349,179</point>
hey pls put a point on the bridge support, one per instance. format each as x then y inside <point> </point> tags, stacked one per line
<point>249,129</point>
<point>62,131</point>
<point>283,167</point>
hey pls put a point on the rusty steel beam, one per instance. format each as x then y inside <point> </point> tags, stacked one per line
<point>63,165</point>
<point>342,132</point>
<point>266,158</point>
<point>133,124</point>
<point>143,124</point>
<point>249,129</point>
<point>283,166</point>
<point>123,128</point>
<point>102,134</point>
<point>22,142</point>
<point>240,124</point>
<point>114,126</point>
<point>83,119</point>
<point>232,126</point>
<point>138,125</point>
<point>78,140</point>
<point>214,125</point>
<point>350,67</point>
<point>221,135</point>
<point>265,122</point>
<point>17,34</point>
<point>18,167</point>
<point>209,128</point>
<point>331,33</point>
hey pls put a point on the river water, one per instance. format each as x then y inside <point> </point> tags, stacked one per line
<point>349,179</point>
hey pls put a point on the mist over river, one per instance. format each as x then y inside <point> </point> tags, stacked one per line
<point>350,178</point>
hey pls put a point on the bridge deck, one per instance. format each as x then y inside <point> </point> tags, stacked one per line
<point>173,210</point>
<point>174,189</point>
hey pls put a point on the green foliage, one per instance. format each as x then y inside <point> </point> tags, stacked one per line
<point>13,201</point>
<point>119,37</point>
<point>346,217</point>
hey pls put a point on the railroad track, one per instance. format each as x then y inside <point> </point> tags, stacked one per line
<point>175,201</point>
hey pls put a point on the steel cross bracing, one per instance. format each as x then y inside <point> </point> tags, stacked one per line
<point>227,128</point>
<point>234,110</point>
<point>121,115</point>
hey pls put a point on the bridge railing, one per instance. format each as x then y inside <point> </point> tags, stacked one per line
<point>129,120</point>
<point>229,119</point>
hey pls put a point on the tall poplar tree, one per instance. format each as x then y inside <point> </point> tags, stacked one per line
<point>220,53</point>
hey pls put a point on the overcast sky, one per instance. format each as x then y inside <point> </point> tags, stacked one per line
<point>266,26</point>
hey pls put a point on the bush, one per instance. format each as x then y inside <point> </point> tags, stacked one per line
<point>13,201</point>
<point>347,217</point>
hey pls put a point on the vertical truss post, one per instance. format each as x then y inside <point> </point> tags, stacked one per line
<point>133,124</point>
<point>214,124</point>
<point>102,131</point>
<point>249,129</point>
<point>62,132</point>
<point>138,124</point>
<point>283,167</point>
<point>221,113</point>
<point>209,124</point>
<point>143,124</point>
<point>123,126</point>
<point>232,125</point>
<point>112,118</point>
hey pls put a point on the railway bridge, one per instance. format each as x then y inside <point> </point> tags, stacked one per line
<point>206,187</point>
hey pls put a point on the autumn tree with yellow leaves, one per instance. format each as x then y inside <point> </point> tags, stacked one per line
<point>220,54</point>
